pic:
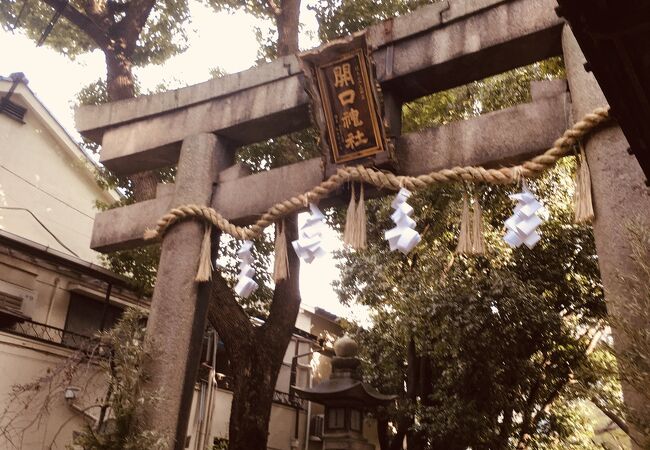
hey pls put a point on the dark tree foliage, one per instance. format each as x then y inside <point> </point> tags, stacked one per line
<point>338,18</point>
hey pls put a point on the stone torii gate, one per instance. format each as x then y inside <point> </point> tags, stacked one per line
<point>437,47</point>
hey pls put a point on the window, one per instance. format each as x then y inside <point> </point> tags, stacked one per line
<point>336,418</point>
<point>316,426</point>
<point>355,420</point>
<point>86,316</point>
<point>11,309</point>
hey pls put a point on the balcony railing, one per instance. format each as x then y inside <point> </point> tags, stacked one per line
<point>49,334</point>
<point>283,398</point>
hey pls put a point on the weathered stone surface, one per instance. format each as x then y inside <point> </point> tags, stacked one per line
<point>547,88</point>
<point>123,227</point>
<point>91,120</point>
<point>403,27</point>
<point>471,42</point>
<point>499,137</point>
<point>246,116</point>
<point>245,199</point>
<point>495,139</point>
<point>620,195</point>
<point>179,305</point>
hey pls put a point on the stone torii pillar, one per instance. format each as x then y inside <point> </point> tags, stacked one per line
<point>619,194</point>
<point>179,305</point>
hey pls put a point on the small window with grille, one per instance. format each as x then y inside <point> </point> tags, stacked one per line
<point>11,303</point>
<point>12,109</point>
<point>11,310</point>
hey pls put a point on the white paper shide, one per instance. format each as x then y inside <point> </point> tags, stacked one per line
<point>246,285</point>
<point>308,245</point>
<point>403,236</point>
<point>522,225</point>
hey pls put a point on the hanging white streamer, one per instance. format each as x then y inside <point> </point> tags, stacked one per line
<point>308,245</point>
<point>246,285</point>
<point>403,236</point>
<point>522,225</point>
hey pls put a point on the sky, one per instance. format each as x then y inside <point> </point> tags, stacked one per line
<point>55,80</point>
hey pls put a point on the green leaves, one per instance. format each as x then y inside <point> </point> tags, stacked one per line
<point>124,369</point>
<point>337,18</point>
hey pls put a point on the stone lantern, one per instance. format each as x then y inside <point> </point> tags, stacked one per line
<point>346,398</point>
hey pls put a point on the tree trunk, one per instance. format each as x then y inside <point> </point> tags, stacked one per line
<point>413,387</point>
<point>254,384</point>
<point>382,433</point>
<point>256,354</point>
<point>120,85</point>
<point>288,23</point>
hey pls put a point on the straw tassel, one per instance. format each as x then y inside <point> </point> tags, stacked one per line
<point>478,242</point>
<point>360,219</point>
<point>464,246</point>
<point>150,233</point>
<point>355,221</point>
<point>204,272</point>
<point>584,209</point>
<point>350,219</point>
<point>281,265</point>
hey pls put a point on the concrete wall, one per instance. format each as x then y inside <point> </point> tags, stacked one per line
<point>21,362</point>
<point>43,171</point>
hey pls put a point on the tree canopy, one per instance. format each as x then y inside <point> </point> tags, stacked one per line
<point>89,25</point>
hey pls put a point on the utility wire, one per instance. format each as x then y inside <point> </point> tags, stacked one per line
<point>41,224</point>
<point>45,192</point>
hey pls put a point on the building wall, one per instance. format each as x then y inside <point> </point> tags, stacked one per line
<point>21,362</point>
<point>45,287</point>
<point>40,171</point>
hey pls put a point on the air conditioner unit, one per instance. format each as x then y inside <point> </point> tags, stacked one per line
<point>316,427</point>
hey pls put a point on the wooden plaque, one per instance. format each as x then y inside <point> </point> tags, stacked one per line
<point>345,102</point>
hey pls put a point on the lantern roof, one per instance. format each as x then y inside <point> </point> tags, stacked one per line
<point>344,391</point>
<point>344,386</point>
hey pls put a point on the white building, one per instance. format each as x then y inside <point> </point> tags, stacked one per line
<point>47,183</point>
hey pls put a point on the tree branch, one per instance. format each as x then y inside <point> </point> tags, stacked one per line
<point>81,21</point>
<point>136,16</point>
<point>613,417</point>
<point>116,7</point>
<point>550,398</point>
<point>97,13</point>
<point>226,315</point>
<point>273,9</point>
